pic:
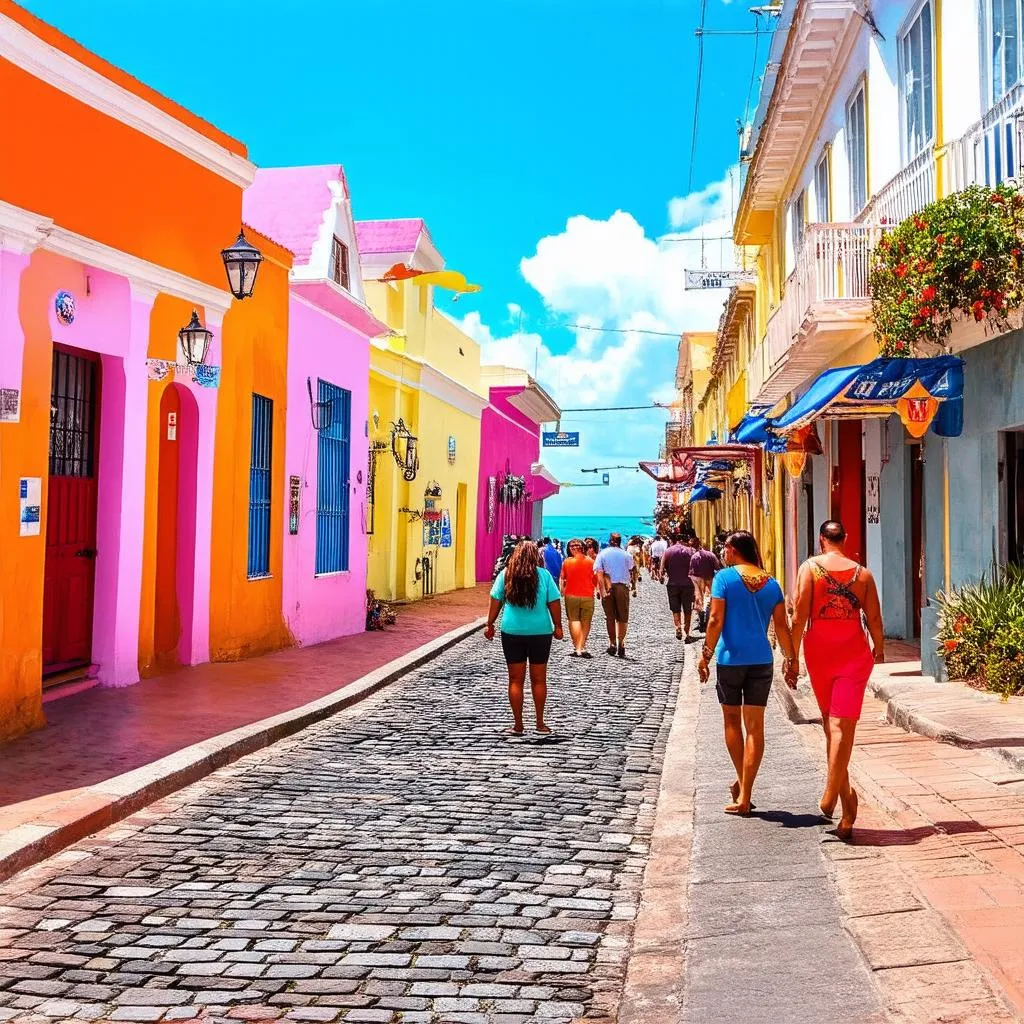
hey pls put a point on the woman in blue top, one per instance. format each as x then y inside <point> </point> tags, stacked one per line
<point>532,615</point>
<point>745,600</point>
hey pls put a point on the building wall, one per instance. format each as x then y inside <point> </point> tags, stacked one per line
<point>509,442</point>
<point>246,615</point>
<point>318,608</point>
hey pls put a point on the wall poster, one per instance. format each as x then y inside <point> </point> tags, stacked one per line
<point>30,495</point>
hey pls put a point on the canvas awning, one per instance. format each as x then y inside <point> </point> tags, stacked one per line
<point>922,392</point>
<point>543,483</point>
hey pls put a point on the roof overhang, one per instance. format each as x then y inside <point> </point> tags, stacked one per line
<point>799,83</point>
<point>329,296</point>
<point>544,482</point>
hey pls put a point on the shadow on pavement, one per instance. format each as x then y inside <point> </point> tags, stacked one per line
<point>787,819</point>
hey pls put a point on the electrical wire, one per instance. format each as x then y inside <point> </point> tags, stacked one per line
<point>696,96</point>
<point>753,67</point>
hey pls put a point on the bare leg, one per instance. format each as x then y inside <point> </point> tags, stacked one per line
<point>828,809</point>
<point>516,679</point>
<point>753,751</point>
<point>576,632</point>
<point>609,621</point>
<point>843,731</point>
<point>539,690</point>
<point>732,717</point>
<point>689,620</point>
<point>584,633</point>
<point>678,620</point>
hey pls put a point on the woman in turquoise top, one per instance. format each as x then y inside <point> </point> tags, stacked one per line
<point>532,616</point>
<point>745,601</point>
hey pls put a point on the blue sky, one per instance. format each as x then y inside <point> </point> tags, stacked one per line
<point>546,142</point>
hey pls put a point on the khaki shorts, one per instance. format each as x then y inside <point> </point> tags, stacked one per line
<point>579,609</point>
<point>616,604</point>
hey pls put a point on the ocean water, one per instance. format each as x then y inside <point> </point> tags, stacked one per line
<point>567,527</point>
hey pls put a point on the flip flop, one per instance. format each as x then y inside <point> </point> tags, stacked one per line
<point>548,732</point>
<point>585,654</point>
<point>574,654</point>
<point>513,732</point>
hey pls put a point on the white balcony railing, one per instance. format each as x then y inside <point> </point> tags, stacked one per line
<point>831,270</point>
<point>990,151</point>
<point>906,194</point>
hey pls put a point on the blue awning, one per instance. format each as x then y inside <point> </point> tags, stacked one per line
<point>874,390</point>
<point>702,492</point>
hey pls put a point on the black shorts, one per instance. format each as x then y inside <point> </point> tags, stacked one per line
<point>680,597</point>
<point>745,684</point>
<point>519,648</point>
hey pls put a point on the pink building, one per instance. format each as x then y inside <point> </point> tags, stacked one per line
<point>308,210</point>
<point>513,481</point>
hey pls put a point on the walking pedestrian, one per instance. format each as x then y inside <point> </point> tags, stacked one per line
<point>835,596</point>
<point>614,569</point>
<point>635,551</point>
<point>531,614</point>
<point>552,559</point>
<point>591,547</point>
<point>577,583</point>
<point>703,566</point>
<point>745,600</point>
<point>658,548</point>
<point>676,568</point>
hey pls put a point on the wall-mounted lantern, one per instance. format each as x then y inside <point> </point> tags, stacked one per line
<point>241,260</point>
<point>403,447</point>
<point>433,490</point>
<point>195,341</point>
<point>321,413</point>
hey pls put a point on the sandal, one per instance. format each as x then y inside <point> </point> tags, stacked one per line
<point>585,654</point>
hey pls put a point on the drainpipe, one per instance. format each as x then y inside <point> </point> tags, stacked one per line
<point>947,580</point>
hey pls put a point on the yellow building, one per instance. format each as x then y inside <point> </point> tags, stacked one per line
<point>424,426</point>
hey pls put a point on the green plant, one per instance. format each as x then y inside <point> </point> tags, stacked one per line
<point>959,257</point>
<point>981,631</point>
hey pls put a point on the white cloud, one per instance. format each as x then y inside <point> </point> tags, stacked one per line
<point>714,202</point>
<point>611,274</point>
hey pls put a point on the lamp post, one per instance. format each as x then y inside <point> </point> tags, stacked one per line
<point>195,341</point>
<point>241,261</point>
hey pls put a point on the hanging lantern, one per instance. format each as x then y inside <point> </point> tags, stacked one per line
<point>241,261</point>
<point>195,341</point>
<point>403,448</point>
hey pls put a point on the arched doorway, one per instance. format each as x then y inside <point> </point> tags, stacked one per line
<point>176,528</point>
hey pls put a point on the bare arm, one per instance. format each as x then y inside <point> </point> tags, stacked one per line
<point>781,622</point>
<point>716,620</point>
<point>492,616</point>
<point>873,613</point>
<point>604,584</point>
<point>555,610</point>
<point>801,608</point>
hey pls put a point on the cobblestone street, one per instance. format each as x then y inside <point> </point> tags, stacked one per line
<point>402,861</point>
<point>405,862</point>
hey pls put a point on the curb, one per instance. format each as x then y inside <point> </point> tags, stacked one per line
<point>96,807</point>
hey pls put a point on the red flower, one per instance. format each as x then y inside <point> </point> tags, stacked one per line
<point>901,346</point>
<point>979,310</point>
<point>928,293</point>
<point>901,270</point>
<point>977,265</point>
<point>998,199</point>
<point>926,311</point>
<point>961,624</point>
<point>940,239</point>
<point>917,321</point>
<point>951,645</point>
<point>920,224</point>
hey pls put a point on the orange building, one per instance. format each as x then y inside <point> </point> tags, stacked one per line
<point>115,204</point>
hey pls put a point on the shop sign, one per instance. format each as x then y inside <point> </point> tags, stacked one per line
<point>172,426</point>
<point>163,369</point>
<point>30,494</point>
<point>294,489</point>
<point>451,449</point>
<point>709,280</point>
<point>446,528</point>
<point>873,501</point>
<point>10,405</point>
<point>561,439</point>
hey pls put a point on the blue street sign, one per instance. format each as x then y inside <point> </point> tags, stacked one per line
<point>605,479</point>
<point>561,439</point>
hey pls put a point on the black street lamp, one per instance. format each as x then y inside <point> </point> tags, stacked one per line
<point>195,341</point>
<point>241,260</point>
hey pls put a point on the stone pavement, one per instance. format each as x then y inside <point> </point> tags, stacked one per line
<point>402,861</point>
<point>95,735</point>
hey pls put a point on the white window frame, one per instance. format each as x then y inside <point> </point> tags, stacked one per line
<point>797,226</point>
<point>908,152</point>
<point>823,189</point>
<point>857,158</point>
<point>991,95</point>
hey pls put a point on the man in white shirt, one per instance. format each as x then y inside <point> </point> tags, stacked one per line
<point>658,548</point>
<point>614,570</point>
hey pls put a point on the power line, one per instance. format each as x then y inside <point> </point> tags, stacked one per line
<point>618,408</point>
<point>619,330</point>
<point>696,96</point>
<point>753,68</point>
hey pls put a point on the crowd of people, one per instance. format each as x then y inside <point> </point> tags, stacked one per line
<point>835,617</point>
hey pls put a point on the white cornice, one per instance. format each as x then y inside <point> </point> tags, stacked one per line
<point>27,51</point>
<point>29,230</point>
<point>438,385</point>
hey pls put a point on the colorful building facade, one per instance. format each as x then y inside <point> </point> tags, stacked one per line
<point>326,455</point>
<point>513,482</point>
<point>425,406</point>
<point>107,500</point>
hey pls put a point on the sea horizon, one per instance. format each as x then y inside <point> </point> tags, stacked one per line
<point>566,527</point>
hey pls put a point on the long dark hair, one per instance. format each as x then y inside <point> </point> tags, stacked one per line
<point>578,543</point>
<point>590,544</point>
<point>744,544</point>
<point>521,576</point>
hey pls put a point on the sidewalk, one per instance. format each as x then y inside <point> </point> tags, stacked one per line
<point>951,712</point>
<point>50,778</point>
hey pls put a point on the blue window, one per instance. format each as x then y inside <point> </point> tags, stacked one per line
<point>259,486</point>
<point>332,481</point>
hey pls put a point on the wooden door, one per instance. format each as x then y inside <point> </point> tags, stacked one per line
<point>70,567</point>
<point>916,566</point>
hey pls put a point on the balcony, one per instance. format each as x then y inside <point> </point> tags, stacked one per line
<point>826,308</point>
<point>906,194</point>
<point>989,152</point>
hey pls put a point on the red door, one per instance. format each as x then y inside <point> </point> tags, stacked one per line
<point>71,512</point>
